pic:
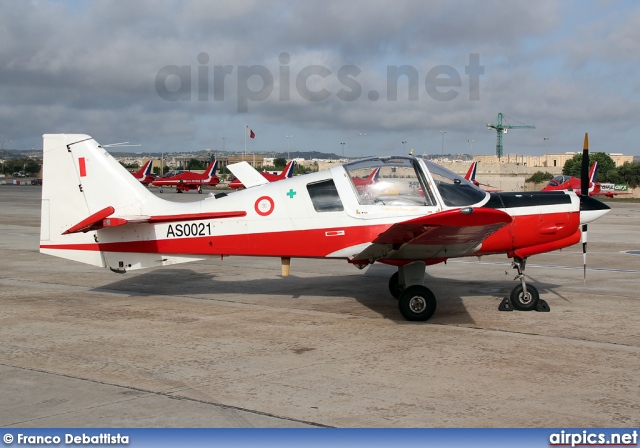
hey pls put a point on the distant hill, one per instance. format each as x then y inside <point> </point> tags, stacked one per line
<point>307,155</point>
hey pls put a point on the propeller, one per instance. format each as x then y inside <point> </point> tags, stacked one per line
<point>584,190</point>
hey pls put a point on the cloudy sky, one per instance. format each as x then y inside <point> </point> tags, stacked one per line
<point>184,75</point>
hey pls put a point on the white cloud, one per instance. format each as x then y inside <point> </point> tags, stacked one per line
<point>91,67</point>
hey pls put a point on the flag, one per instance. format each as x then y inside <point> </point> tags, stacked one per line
<point>251,133</point>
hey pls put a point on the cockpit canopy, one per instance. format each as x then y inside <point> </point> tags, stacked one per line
<point>403,181</point>
<point>559,180</point>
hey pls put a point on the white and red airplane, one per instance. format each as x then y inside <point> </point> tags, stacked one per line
<point>144,175</point>
<point>187,180</point>
<point>286,173</point>
<point>95,212</point>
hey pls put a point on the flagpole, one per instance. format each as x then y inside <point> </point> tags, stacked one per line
<point>245,139</point>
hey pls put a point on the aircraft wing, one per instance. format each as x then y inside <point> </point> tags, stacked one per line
<point>247,174</point>
<point>438,236</point>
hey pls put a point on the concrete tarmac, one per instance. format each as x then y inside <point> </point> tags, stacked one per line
<point>230,343</point>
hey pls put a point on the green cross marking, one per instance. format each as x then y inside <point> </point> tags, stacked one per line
<point>291,193</point>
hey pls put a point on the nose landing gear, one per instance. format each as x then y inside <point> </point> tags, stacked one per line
<point>523,297</point>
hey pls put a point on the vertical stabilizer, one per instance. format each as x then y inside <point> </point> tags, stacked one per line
<point>80,180</point>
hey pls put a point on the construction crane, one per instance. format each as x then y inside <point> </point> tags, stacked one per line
<point>503,128</point>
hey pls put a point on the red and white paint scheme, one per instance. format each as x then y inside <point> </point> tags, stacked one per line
<point>95,212</point>
<point>572,183</point>
<point>144,175</point>
<point>286,173</point>
<point>188,180</point>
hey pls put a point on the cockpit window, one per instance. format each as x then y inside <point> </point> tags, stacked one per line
<point>395,181</point>
<point>456,191</point>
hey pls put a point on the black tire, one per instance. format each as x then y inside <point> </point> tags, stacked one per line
<point>522,302</point>
<point>394,286</point>
<point>199,190</point>
<point>417,303</point>
<point>161,190</point>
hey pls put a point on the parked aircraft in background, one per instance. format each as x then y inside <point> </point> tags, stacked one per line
<point>572,183</point>
<point>144,174</point>
<point>471,176</point>
<point>362,183</point>
<point>287,172</point>
<point>94,212</point>
<point>188,180</point>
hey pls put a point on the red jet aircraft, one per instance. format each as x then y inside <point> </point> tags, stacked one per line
<point>188,180</point>
<point>287,172</point>
<point>571,183</point>
<point>144,174</point>
<point>94,212</point>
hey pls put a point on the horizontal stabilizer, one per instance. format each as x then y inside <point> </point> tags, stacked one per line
<point>92,222</point>
<point>196,216</point>
<point>102,219</point>
<point>247,174</point>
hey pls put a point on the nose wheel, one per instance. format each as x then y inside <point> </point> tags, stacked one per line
<point>523,297</point>
<point>524,300</point>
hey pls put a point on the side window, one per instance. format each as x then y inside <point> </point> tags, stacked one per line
<point>324,196</point>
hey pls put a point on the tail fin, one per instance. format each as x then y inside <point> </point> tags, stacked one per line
<point>593,173</point>
<point>211,169</point>
<point>142,173</point>
<point>471,174</point>
<point>76,173</point>
<point>374,176</point>
<point>147,168</point>
<point>287,172</point>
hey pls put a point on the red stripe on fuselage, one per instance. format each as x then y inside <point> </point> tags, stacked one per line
<point>311,243</point>
<point>524,231</point>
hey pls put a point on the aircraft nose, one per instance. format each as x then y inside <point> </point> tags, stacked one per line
<point>591,209</point>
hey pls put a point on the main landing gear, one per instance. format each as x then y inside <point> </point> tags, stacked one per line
<point>418,303</point>
<point>415,301</point>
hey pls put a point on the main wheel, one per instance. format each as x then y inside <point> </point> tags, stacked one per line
<point>417,303</point>
<point>525,302</point>
<point>199,190</point>
<point>161,190</point>
<point>394,286</point>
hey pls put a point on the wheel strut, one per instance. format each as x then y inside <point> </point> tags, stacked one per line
<point>519,264</point>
